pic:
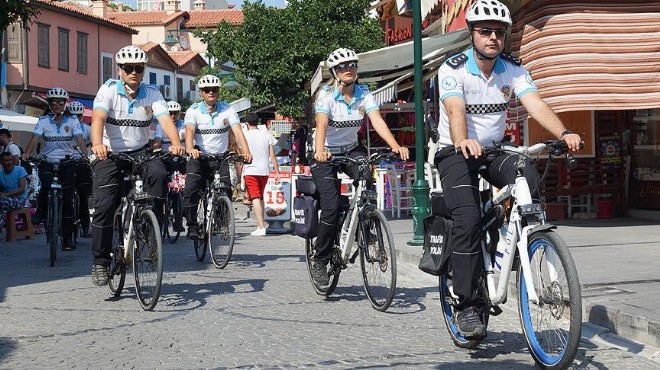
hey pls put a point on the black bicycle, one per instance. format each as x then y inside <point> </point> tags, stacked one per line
<point>173,207</point>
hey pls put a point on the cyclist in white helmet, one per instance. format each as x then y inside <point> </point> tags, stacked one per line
<point>207,132</point>
<point>60,133</point>
<point>123,111</point>
<point>475,89</point>
<point>340,108</point>
<point>84,174</point>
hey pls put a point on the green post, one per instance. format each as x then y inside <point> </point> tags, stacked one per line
<point>421,187</point>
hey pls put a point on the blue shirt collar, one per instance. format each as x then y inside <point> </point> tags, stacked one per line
<point>473,68</point>
<point>220,106</point>
<point>141,93</point>
<point>357,94</point>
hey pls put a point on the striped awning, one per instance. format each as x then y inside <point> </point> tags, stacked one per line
<point>592,55</point>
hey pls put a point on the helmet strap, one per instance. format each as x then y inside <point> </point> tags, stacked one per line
<point>342,83</point>
<point>128,89</point>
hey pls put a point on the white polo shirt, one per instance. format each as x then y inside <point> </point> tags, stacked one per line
<point>212,129</point>
<point>259,141</point>
<point>344,118</point>
<point>486,99</point>
<point>59,139</point>
<point>127,126</point>
<point>164,140</point>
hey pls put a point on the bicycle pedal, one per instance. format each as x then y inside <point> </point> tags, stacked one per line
<point>495,311</point>
<point>354,256</point>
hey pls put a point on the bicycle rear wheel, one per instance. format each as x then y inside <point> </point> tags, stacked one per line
<point>552,326</point>
<point>53,227</point>
<point>377,259</point>
<point>221,231</point>
<point>174,204</point>
<point>200,244</point>
<point>333,269</point>
<point>448,303</point>
<point>117,263</point>
<point>147,259</point>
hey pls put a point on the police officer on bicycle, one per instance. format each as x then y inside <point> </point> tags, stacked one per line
<point>340,108</point>
<point>123,111</point>
<point>84,174</point>
<point>60,132</point>
<point>207,132</point>
<point>475,88</point>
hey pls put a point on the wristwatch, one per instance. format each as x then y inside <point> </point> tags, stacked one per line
<point>565,132</point>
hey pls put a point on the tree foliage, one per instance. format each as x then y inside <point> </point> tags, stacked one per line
<point>16,10</point>
<point>278,50</point>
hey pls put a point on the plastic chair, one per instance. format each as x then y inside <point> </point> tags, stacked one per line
<point>27,230</point>
<point>401,185</point>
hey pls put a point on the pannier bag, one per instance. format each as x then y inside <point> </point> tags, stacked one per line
<point>437,245</point>
<point>306,216</point>
<point>306,185</point>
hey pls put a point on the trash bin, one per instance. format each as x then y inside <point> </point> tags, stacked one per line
<point>605,208</point>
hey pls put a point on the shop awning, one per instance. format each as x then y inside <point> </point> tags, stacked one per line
<point>592,55</point>
<point>16,121</point>
<point>241,104</point>
<point>399,57</point>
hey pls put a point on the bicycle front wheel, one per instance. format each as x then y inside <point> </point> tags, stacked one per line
<point>377,259</point>
<point>200,243</point>
<point>117,263</point>
<point>221,231</point>
<point>553,325</point>
<point>54,228</point>
<point>174,205</point>
<point>147,259</point>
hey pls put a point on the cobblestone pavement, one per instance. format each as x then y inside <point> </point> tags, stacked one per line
<point>259,312</point>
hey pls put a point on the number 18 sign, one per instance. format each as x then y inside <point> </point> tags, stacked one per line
<point>277,197</point>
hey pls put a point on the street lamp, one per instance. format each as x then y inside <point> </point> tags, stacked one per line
<point>170,40</point>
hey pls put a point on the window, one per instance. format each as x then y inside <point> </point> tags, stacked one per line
<point>152,78</point>
<point>62,49</point>
<point>82,53</point>
<point>193,85</point>
<point>106,67</point>
<point>15,43</point>
<point>43,45</point>
<point>166,80</point>
<point>179,88</point>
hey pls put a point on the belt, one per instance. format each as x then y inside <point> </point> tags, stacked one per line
<point>342,149</point>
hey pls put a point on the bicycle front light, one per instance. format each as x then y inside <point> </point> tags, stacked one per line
<point>530,209</point>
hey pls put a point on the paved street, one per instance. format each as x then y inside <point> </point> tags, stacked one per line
<point>259,312</point>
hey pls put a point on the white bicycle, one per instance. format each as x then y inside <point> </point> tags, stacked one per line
<point>548,288</point>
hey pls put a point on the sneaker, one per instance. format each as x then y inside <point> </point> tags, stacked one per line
<point>259,232</point>
<point>100,275</point>
<point>469,324</point>
<point>178,228</point>
<point>68,246</point>
<point>193,232</point>
<point>320,274</point>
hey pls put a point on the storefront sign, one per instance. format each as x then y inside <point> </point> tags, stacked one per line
<point>610,151</point>
<point>277,197</point>
<point>512,129</point>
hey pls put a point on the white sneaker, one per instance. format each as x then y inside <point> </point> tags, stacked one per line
<point>259,232</point>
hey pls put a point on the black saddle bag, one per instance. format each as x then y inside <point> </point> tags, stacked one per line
<point>436,258</point>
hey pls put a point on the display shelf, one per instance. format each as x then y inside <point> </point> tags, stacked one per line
<point>646,119</point>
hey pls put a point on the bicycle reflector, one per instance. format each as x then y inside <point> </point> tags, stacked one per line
<point>530,209</point>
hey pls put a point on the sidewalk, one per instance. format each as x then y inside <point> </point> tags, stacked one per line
<point>619,269</point>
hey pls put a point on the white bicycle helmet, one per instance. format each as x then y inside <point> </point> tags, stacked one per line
<point>488,10</point>
<point>131,54</point>
<point>341,55</point>
<point>173,106</point>
<point>76,107</point>
<point>208,81</point>
<point>57,93</point>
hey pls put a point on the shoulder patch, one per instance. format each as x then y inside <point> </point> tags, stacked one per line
<point>110,82</point>
<point>457,60</point>
<point>194,105</point>
<point>511,58</point>
<point>326,87</point>
<point>364,88</point>
<point>152,87</point>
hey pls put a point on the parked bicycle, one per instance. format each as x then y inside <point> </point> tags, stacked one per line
<point>136,235</point>
<point>215,215</point>
<point>53,226</point>
<point>362,223</point>
<point>548,288</point>
<point>173,207</point>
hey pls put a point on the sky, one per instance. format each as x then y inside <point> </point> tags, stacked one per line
<point>275,3</point>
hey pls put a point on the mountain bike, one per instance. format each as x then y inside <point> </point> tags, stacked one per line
<point>215,215</point>
<point>547,284</point>
<point>136,235</point>
<point>173,206</point>
<point>364,224</point>
<point>53,226</point>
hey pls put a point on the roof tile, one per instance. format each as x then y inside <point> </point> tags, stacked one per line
<point>145,17</point>
<point>86,11</point>
<point>211,18</point>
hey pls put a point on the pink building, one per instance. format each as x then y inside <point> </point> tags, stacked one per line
<point>67,46</point>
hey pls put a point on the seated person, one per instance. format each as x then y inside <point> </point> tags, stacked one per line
<point>14,184</point>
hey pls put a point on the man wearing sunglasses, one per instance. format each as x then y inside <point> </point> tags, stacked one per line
<point>207,132</point>
<point>475,89</point>
<point>60,133</point>
<point>123,111</point>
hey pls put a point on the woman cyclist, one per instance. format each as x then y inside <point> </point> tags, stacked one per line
<point>340,108</point>
<point>84,174</point>
<point>59,131</point>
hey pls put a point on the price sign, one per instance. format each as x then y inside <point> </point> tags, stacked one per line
<point>277,197</point>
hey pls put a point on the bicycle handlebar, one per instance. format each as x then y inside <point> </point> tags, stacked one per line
<point>67,159</point>
<point>223,157</point>
<point>373,159</point>
<point>557,148</point>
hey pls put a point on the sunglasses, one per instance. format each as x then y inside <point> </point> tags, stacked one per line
<point>61,103</point>
<point>486,32</point>
<point>174,113</point>
<point>344,66</point>
<point>210,89</point>
<point>130,69</point>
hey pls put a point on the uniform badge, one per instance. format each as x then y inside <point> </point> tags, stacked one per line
<point>225,121</point>
<point>147,111</point>
<point>449,83</point>
<point>362,111</point>
<point>506,92</point>
<point>66,129</point>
